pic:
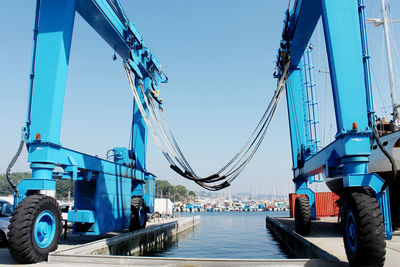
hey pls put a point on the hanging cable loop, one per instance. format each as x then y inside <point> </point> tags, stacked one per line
<point>162,134</point>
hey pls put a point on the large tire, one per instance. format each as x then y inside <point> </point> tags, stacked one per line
<point>3,239</point>
<point>138,214</point>
<point>364,231</point>
<point>35,229</point>
<point>302,216</point>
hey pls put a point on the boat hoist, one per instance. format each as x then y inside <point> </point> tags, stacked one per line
<point>365,217</point>
<point>117,192</point>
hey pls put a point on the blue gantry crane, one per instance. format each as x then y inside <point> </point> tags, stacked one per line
<point>364,197</point>
<point>118,194</point>
<point>109,195</point>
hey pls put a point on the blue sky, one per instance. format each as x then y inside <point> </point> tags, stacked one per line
<point>219,57</point>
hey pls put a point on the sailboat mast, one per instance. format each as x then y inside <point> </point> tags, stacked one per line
<point>385,22</point>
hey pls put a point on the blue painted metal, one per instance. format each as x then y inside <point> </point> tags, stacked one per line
<point>123,156</point>
<point>142,216</point>
<point>45,229</point>
<point>302,189</point>
<point>303,21</point>
<point>33,186</point>
<point>103,189</point>
<point>295,93</point>
<point>350,230</point>
<point>347,50</point>
<point>366,62</point>
<point>81,216</point>
<point>310,104</point>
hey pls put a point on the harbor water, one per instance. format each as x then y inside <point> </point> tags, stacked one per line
<point>224,235</point>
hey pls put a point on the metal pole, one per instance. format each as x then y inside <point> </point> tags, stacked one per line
<point>390,66</point>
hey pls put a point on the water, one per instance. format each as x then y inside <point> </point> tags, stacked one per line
<point>222,235</point>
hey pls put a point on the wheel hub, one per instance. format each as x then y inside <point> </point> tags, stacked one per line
<point>45,229</point>
<point>142,216</point>
<point>351,231</point>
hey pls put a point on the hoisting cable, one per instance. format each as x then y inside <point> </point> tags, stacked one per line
<point>146,118</point>
<point>167,143</point>
<point>277,95</point>
<point>160,129</point>
<point>175,143</point>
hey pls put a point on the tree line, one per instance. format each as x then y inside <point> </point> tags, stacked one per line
<point>176,193</point>
<point>65,188</point>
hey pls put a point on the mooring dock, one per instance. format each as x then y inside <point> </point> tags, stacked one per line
<point>325,240</point>
<point>95,251</point>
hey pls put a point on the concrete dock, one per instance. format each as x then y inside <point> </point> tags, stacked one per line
<point>325,240</point>
<point>99,251</point>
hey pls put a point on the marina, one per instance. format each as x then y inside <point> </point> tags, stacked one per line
<point>105,181</point>
<point>180,242</point>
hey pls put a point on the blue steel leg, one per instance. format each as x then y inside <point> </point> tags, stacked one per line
<point>139,129</point>
<point>50,65</point>
<point>384,204</point>
<point>302,189</point>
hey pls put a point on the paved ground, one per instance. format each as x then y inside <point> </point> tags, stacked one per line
<point>71,241</point>
<point>326,235</point>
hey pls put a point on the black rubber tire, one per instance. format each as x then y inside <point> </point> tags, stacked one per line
<point>364,231</point>
<point>302,216</point>
<point>136,204</point>
<point>21,241</point>
<point>3,239</point>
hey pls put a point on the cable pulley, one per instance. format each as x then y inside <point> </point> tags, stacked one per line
<point>159,128</point>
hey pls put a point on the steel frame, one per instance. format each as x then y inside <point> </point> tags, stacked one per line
<point>346,44</point>
<point>103,189</point>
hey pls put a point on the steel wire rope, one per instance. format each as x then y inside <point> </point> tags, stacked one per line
<point>141,109</point>
<point>296,128</point>
<point>168,129</point>
<point>267,114</point>
<point>244,164</point>
<point>251,145</point>
<point>238,170</point>
<point>251,136</point>
<point>281,85</point>
<point>182,160</point>
<point>177,146</point>
<point>147,121</point>
<point>264,122</point>
<point>159,129</point>
<point>266,125</point>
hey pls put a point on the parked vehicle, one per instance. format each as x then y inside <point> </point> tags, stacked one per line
<point>6,210</point>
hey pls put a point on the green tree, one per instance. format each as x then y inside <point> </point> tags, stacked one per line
<point>192,194</point>
<point>175,193</point>
<point>164,189</point>
<point>181,190</point>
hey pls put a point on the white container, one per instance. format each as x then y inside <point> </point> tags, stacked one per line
<point>163,206</point>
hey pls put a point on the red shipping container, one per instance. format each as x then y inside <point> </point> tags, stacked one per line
<point>325,204</point>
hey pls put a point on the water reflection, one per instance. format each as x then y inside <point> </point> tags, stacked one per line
<point>223,235</point>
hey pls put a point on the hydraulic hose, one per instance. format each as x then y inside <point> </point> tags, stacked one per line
<point>14,159</point>
<point>392,162</point>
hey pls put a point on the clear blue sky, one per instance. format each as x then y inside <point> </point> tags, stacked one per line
<point>219,56</point>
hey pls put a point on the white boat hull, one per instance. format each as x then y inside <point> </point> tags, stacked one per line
<point>378,162</point>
